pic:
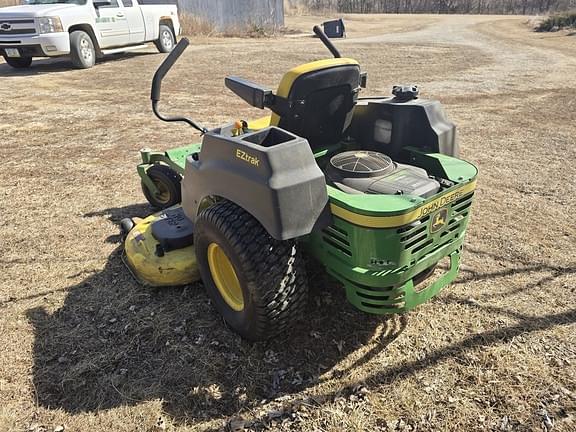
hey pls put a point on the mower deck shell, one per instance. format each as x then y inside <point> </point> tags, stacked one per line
<point>149,267</point>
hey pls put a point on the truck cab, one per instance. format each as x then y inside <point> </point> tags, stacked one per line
<point>84,29</point>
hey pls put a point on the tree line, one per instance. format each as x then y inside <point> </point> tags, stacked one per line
<point>525,7</point>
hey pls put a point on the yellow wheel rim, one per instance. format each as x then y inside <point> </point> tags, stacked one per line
<point>225,277</point>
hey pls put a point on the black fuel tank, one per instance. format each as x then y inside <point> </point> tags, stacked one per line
<point>388,125</point>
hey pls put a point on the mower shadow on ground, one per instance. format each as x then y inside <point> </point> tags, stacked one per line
<point>115,343</point>
<point>63,64</point>
<point>116,214</point>
<point>522,324</point>
<point>543,273</point>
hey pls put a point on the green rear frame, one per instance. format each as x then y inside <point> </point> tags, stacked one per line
<point>383,268</point>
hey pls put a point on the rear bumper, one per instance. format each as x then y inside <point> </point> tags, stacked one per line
<point>44,45</point>
<point>399,291</point>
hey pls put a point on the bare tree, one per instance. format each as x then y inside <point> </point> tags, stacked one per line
<point>437,6</point>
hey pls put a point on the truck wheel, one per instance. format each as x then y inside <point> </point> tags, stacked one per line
<point>257,283</point>
<point>168,183</point>
<point>19,62</point>
<point>82,50</point>
<point>166,40</point>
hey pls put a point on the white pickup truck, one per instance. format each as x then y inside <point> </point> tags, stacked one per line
<point>84,29</point>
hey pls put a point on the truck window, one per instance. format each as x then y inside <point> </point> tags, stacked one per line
<point>103,5</point>
<point>127,3</point>
<point>42,2</point>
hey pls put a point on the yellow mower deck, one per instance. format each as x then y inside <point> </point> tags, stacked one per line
<point>177,267</point>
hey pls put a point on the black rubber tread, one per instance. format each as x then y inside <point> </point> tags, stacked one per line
<point>19,62</point>
<point>75,50</point>
<point>271,272</point>
<point>170,178</point>
<point>158,42</point>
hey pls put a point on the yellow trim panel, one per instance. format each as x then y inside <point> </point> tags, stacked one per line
<point>406,218</point>
<point>259,123</point>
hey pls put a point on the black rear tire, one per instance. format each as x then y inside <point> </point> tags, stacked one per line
<point>82,51</point>
<point>19,62</point>
<point>270,272</point>
<point>168,182</point>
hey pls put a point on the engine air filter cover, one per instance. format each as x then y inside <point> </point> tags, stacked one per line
<point>369,172</point>
<point>361,164</point>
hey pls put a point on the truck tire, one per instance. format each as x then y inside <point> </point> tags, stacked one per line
<point>166,40</point>
<point>257,283</point>
<point>19,62</point>
<point>82,50</point>
<point>168,183</point>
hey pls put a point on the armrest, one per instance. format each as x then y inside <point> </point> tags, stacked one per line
<point>256,95</point>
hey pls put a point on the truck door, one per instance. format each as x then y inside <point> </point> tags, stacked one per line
<point>135,20</point>
<point>111,23</point>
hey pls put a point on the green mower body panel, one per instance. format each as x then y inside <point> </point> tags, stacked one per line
<point>178,155</point>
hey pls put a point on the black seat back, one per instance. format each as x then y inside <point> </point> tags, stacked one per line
<point>318,102</point>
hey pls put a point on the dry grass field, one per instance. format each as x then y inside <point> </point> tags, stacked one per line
<point>83,346</point>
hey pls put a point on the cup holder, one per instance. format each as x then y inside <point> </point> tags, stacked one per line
<point>269,137</point>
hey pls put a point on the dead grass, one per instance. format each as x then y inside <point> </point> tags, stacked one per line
<point>84,346</point>
<point>295,9</point>
<point>4,3</point>
<point>195,26</point>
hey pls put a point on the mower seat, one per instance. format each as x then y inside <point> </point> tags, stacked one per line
<point>316,100</point>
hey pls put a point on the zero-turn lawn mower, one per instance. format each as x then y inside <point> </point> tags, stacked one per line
<point>371,188</point>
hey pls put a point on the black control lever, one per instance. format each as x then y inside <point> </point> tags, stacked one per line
<point>157,85</point>
<point>327,42</point>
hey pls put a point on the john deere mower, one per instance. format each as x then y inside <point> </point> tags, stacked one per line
<point>371,189</point>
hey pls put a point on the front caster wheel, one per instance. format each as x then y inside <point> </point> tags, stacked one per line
<point>167,181</point>
<point>257,283</point>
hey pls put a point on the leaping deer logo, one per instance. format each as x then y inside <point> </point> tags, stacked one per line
<point>439,220</point>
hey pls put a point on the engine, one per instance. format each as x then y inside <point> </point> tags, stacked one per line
<point>370,172</point>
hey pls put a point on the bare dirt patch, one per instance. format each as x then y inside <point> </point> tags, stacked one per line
<point>82,345</point>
